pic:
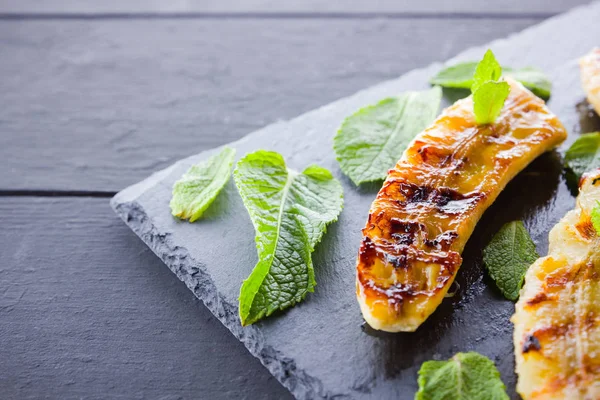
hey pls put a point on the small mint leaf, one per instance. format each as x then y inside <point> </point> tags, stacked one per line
<point>458,76</point>
<point>488,100</point>
<point>533,79</point>
<point>200,185</point>
<point>584,154</point>
<point>465,376</point>
<point>487,69</point>
<point>508,256</point>
<point>489,94</point>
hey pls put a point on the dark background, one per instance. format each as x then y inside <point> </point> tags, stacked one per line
<point>96,95</point>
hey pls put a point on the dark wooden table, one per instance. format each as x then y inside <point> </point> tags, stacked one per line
<point>95,96</point>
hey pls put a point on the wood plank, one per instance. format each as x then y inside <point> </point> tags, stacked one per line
<point>90,7</point>
<point>89,312</point>
<point>100,104</point>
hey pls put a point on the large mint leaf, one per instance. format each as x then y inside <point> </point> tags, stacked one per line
<point>372,140</point>
<point>584,154</point>
<point>200,185</point>
<point>290,212</point>
<point>466,376</point>
<point>460,76</point>
<point>508,256</point>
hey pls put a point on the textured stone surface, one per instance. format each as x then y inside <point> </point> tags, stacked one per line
<point>319,349</point>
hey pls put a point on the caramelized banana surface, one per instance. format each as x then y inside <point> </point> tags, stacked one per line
<point>432,199</point>
<point>590,77</point>
<point>557,317</point>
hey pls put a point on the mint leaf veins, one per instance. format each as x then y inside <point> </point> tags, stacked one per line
<point>290,211</point>
<point>508,256</point>
<point>489,93</point>
<point>372,140</point>
<point>200,185</point>
<point>584,154</point>
<point>466,376</point>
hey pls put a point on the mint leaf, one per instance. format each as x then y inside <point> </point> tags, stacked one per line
<point>488,93</point>
<point>584,154</point>
<point>596,217</point>
<point>460,76</point>
<point>487,69</point>
<point>290,212</point>
<point>200,185</point>
<point>508,256</point>
<point>466,376</point>
<point>488,100</point>
<point>372,140</point>
<point>533,79</point>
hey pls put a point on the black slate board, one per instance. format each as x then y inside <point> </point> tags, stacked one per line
<point>319,349</point>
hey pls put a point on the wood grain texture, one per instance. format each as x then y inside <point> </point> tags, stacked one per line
<point>88,311</point>
<point>90,7</point>
<point>100,104</point>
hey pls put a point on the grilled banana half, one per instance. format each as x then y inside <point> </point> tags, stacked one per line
<point>433,198</point>
<point>557,317</point>
<point>590,77</point>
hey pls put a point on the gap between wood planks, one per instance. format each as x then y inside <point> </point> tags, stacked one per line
<point>230,15</point>
<point>273,15</point>
<point>55,193</point>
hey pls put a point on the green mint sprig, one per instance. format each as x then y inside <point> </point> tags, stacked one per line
<point>489,93</point>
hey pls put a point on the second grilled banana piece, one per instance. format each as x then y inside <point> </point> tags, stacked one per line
<point>557,318</point>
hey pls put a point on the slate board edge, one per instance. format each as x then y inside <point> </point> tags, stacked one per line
<point>298,382</point>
